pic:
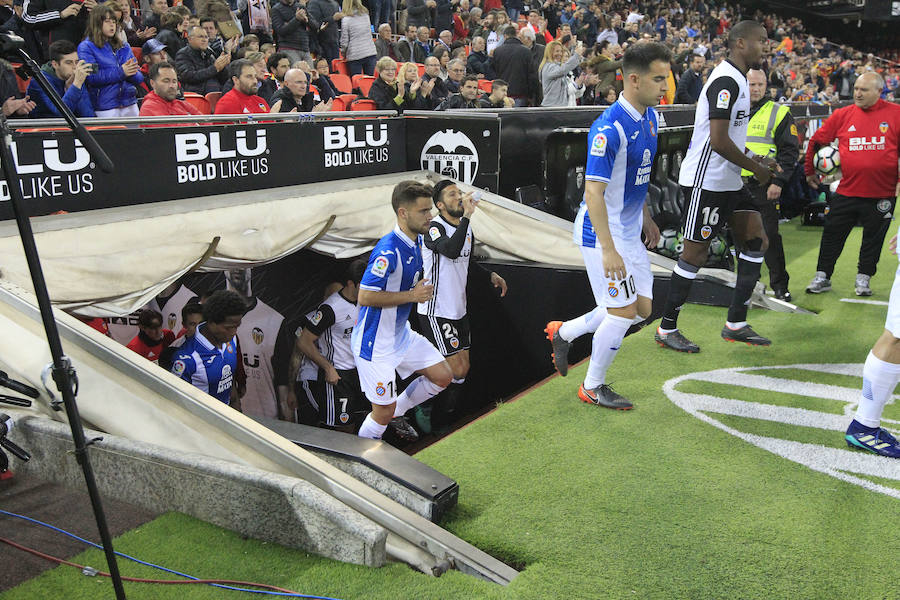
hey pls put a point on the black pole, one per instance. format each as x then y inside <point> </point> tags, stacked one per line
<point>63,372</point>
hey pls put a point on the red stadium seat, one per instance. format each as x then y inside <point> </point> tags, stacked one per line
<point>348,99</point>
<point>198,102</point>
<point>485,85</point>
<point>339,65</point>
<point>342,82</point>
<point>338,105</point>
<point>138,53</point>
<point>212,98</point>
<point>363,83</point>
<point>363,105</point>
<point>421,69</point>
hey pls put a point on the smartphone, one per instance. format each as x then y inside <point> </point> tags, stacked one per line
<point>93,67</point>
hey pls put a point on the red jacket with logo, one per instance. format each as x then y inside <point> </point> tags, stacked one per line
<point>236,103</point>
<point>155,106</point>
<point>868,141</point>
<point>151,349</point>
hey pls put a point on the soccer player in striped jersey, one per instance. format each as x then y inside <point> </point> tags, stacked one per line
<point>447,258</point>
<point>612,219</point>
<point>383,342</point>
<point>714,193</point>
<point>208,360</point>
<point>325,340</point>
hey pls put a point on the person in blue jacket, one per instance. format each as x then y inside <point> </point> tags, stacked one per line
<point>67,74</point>
<point>116,73</point>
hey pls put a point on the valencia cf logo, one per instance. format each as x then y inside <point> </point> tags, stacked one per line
<point>451,153</point>
<point>613,290</point>
<point>257,335</point>
<point>344,418</point>
<point>705,231</point>
<point>883,127</point>
<point>170,320</point>
<point>379,389</point>
<point>454,342</point>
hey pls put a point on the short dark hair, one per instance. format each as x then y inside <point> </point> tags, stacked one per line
<point>193,307</point>
<point>207,20</point>
<point>509,31</point>
<point>60,48</point>
<point>742,30</point>
<point>237,67</point>
<point>408,192</point>
<point>147,316</point>
<point>355,270</point>
<point>499,82</point>
<point>157,67</point>
<point>639,57</point>
<point>223,304</point>
<point>273,60</point>
<point>467,79</point>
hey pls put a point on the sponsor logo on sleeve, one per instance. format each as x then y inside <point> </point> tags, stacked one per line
<point>380,266</point>
<point>723,99</point>
<point>794,130</point>
<point>178,367</point>
<point>434,233</point>
<point>598,145</point>
<point>316,318</point>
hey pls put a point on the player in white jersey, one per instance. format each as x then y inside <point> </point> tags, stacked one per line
<point>710,179</point>
<point>325,341</point>
<point>383,342</point>
<point>265,342</point>
<point>880,376</point>
<point>611,220</point>
<point>447,259</point>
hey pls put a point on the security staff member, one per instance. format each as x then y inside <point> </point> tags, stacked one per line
<point>771,132</point>
<point>868,135</point>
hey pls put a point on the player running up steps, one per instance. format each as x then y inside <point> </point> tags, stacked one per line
<point>880,376</point>
<point>447,256</point>
<point>611,219</point>
<point>710,178</point>
<point>383,342</point>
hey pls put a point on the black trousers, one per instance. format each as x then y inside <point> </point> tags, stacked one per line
<point>844,212</point>
<point>768,210</point>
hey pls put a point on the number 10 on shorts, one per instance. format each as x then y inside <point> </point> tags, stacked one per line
<point>625,285</point>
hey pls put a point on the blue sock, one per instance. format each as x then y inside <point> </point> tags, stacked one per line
<point>857,427</point>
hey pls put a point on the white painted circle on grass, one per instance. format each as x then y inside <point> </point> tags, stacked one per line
<point>844,464</point>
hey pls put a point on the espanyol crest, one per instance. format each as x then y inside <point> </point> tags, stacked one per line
<point>452,154</point>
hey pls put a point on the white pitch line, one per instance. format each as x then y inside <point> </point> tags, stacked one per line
<point>860,301</point>
<point>851,369</point>
<point>769,412</point>
<point>777,384</point>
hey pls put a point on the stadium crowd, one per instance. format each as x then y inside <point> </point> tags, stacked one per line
<point>131,57</point>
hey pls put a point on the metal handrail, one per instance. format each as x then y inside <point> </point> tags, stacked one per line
<point>223,119</point>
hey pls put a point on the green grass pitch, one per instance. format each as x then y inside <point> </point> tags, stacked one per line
<point>652,503</point>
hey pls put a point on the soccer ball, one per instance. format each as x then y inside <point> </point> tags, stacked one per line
<point>717,247</point>
<point>670,244</point>
<point>827,160</point>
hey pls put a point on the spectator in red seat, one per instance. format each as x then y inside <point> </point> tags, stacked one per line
<point>152,338</point>
<point>153,51</point>
<point>112,85</point>
<point>198,68</point>
<point>242,98</point>
<point>321,79</point>
<point>390,93</point>
<point>163,100</point>
<point>67,75</point>
<point>497,98</point>
<point>294,96</point>
<point>278,64</point>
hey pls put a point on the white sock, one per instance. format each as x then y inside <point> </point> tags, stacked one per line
<point>879,380</point>
<point>371,428</point>
<point>665,331</point>
<point>607,340</point>
<point>735,326</point>
<point>417,392</point>
<point>459,380</point>
<point>586,323</point>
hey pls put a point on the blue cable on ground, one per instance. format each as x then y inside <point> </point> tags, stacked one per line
<point>148,564</point>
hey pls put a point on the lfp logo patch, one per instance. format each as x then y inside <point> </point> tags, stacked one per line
<point>598,145</point>
<point>723,99</point>
<point>380,266</point>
